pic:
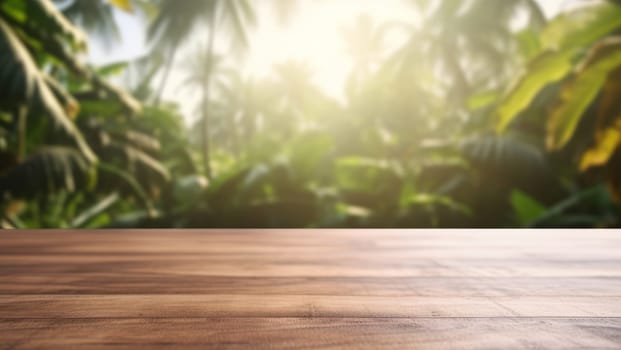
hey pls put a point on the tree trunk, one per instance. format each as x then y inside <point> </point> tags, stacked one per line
<point>167,69</point>
<point>206,94</point>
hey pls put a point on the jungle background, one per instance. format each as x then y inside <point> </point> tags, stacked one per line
<point>479,113</point>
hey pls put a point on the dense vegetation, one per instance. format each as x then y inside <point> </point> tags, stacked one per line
<point>473,122</point>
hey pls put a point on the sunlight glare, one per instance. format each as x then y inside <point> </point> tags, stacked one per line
<point>314,36</point>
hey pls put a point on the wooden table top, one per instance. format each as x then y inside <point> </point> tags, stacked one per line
<point>307,289</point>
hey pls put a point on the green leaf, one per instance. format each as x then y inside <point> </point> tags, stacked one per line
<point>432,200</point>
<point>527,209</point>
<point>582,26</point>
<point>48,171</point>
<point>307,152</point>
<point>118,176</point>
<point>188,190</point>
<point>93,213</point>
<point>548,68</point>
<point>141,140</point>
<point>144,161</point>
<point>581,91</point>
<point>352,210</point>
<point>112,69</point>
<point>27,85</point>
<point>606,145</point>
<point>361,174</point>
<point>529,43</point>
<point>507,156</point>
<point>563,214</point>
<point>69,104</point>
<point>45,17</point>
<point>225,187</point>
<point>123,97</point>
<point>482,100</point>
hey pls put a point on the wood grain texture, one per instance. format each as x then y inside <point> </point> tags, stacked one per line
<point>309,289</point>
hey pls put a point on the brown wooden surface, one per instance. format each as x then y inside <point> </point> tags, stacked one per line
<point>298,289</point>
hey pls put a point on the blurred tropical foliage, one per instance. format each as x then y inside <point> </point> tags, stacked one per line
<point>488,114</point>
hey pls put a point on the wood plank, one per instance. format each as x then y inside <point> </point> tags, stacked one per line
<point>129,282</point>
<point>311,333</point>
<point>273,241</point>
<point>180,306</point>
<point>257,266</point>
<point>310,289</point>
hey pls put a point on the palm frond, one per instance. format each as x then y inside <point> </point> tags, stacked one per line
<point>48,171</point>
<point>28,86</point>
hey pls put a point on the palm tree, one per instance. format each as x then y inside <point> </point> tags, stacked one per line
<point>177,20</point>
<point>97,16</point>
<point>25,85</point>
<point>476,33</point>
<point>365,45</point>
<point>243,103</point>
<point>200,71</point>
<point>45,152</point>
<point>294,79</point>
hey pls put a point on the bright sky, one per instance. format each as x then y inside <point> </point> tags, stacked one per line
<point>313,35</point>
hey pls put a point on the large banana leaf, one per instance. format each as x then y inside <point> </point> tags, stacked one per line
<point>577,29</point>
<point>582,26</point>
<point>544,70</point>
<point>581,91</point>
<point>608,126</point>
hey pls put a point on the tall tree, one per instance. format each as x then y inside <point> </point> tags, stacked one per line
<point>477,34</point>
<point>365,44</point>
<point>174,26</point>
